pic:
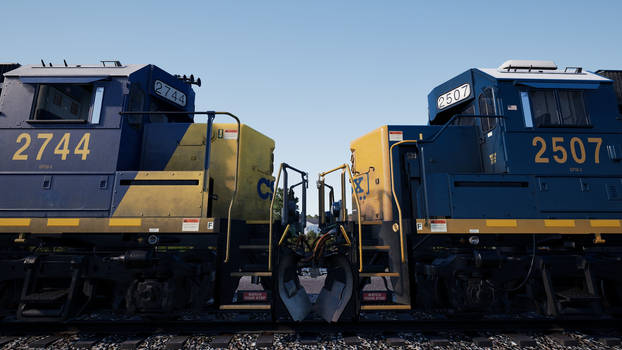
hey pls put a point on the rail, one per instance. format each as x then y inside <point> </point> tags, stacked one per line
<point>345,167</point>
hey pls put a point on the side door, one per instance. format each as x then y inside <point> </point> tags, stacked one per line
<point>491,140</point>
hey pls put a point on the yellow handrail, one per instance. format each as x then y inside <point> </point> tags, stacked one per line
<point>276,185</point>
<point>345,235</point>
<point>235,188</point>
<point>284,234</point>
<point>358,210</point>
<point>397,203</point>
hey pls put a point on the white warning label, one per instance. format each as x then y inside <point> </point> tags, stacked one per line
<point>396,135</point>
<point>190,225</point>
<point>438,225</point>
<point>230,134</point>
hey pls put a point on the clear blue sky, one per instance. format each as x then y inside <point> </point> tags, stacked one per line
<point>315,75</point>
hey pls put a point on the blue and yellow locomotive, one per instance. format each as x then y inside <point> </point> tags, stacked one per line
<point>509,200</point>
<point>112,197</point>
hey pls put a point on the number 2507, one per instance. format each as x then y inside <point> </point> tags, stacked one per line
<point>560,153</point>
<point>62,148</point>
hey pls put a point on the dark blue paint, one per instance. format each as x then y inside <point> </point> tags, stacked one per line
<point>75,187</point>
<point>462,181</point>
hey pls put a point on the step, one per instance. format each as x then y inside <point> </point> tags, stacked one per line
<point>245,307</point>
<point>576,295</point>
<point>379,274</point>
<point>52,295</point>
<point>376,247</point>
<point>251,273</point>
<point>377,307</point>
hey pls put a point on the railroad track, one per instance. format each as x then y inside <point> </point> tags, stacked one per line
<point>365,335</point>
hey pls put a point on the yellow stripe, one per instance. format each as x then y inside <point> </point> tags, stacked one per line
<point>501,223</point>
<point>559,223</point>
<point>605,223</point>
<point>63,222</point>
<point>245,307</point>
<point>14,222</point>
<point>375,222</point>
<point>125,222</point>
<point>385,307</point>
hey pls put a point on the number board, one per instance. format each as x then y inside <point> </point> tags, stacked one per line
<point>454,96</point>
<point>169,93</point>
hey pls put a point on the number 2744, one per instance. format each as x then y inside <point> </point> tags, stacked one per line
<point>560,149</point>
<point>61,149</point>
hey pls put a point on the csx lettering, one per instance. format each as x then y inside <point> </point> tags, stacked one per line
<point>559,149</point>
<point>62,148</point>
<point>263,182</point>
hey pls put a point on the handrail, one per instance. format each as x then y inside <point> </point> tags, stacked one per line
<point>358,209</point>
<point>284,234</point>
<point>475,116</point>
<point>345,235</point>
<point>397,203</point>
<point>276,184</point>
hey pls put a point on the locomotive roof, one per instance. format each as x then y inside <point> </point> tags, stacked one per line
<point>74,71</point>
<point>558,74</point>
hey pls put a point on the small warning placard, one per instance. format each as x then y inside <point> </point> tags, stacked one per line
<point>396,135</point>
<point>230,134</point>
<point>438,225</point>
<point>255,296</point>
<point>190,225</point>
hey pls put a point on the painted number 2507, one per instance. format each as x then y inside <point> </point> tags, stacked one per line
<point>62,147</point>
<point>559,149</point>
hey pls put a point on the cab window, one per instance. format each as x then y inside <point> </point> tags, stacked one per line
<point>68,102</point>
<point>486,106</point>
<point>552,107</point>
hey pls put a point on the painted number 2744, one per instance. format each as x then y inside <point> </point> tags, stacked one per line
<point>44,139</point>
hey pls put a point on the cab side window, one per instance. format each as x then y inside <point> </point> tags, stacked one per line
<point>486,106</point>
<point>63,102</point>
<point>552,107</point>
<point>68,102</point>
